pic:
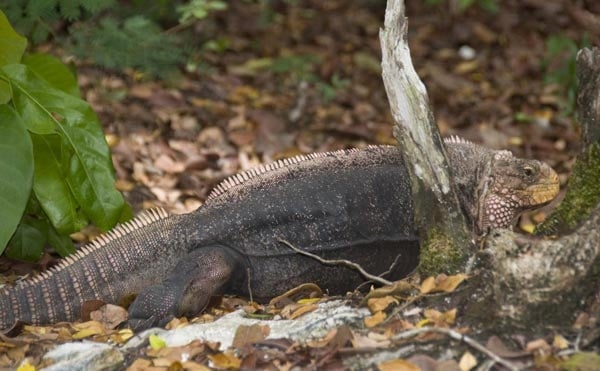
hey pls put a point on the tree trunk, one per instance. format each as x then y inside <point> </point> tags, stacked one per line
<point>529,278</point>
<point>521,280</point>
<point>442,226</point>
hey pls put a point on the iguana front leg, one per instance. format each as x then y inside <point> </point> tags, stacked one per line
<point>198,276</point>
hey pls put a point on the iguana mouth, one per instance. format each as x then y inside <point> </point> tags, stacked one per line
<point>545,190</point>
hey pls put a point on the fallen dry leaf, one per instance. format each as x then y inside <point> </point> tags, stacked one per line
<point>440,319</point>
<point>537,345</point>
<point>442,283</point>
<point>87,329</point>
<point>467,362</point>
<point>398,365</point>
<point>375,319</point>
<point>141,364</point>
<point>303,309</point>
<point>109,315</point>
<point>381,304</point>
<point>560,342</point>
<point>250,334</point>
<point>224,360</point>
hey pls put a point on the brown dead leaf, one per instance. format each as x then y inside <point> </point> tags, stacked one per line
<point>398,365</point>
<point>381,304</point>
<point>538,345</point>
<point>496,345</point>
<point>306,290</point>
<point>440,319</point>
<point>303,309</point>
<point>427,363</point>
<point>428,285</point>
<point>397,288</point>
<point>224,360</point>
<point>442,283</point>
<point>375,319</point>
<point>141,364</point>
<point>250,334</point>
<point>168,165</point>
<point>319,343</point>
<point>110,316</point>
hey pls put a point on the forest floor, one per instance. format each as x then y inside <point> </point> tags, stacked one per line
<point>305,76</point>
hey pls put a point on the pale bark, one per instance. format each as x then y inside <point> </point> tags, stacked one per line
<point>442,226</point>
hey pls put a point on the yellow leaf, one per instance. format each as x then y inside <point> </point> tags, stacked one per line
<point>423,323</point>
<point>450,283</point>
<point>381,304</point>
<point>560,342</point>
<point>26,366</point>
<point>156,342</point>
<point>467,362</point>
<point>87,329</point>
<point>427,285</point>
<point>398,365</point>
<point>375,319</point>
<point>308,300</point>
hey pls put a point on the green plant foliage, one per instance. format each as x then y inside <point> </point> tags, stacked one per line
<point>54,160</point>
<point>560,67</point>
<point>16,167</point>
<point>136,43</point>
<point>199,9</point>
<point>490,6</point>
<point>36,18</point>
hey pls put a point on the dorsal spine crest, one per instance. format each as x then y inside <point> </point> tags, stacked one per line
<point>252,173</point>
<point>145,218</point>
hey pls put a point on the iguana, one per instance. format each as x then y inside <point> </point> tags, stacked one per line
<point>349,204</point>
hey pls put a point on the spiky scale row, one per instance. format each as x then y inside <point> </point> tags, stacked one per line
<point>47,295</point>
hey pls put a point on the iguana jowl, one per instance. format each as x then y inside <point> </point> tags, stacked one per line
<point>348,204</point>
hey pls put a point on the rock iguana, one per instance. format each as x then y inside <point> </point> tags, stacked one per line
<point>348,204</point>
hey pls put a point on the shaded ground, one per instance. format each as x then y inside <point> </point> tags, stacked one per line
<point>304,76</point>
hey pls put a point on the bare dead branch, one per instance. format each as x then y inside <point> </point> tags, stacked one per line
<point>343,262</point>
<point>459,337</point>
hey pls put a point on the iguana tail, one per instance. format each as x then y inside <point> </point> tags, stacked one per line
<point>121,262</point>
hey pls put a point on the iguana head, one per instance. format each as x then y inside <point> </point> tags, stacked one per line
<point>494,187</point>
<point>514,185</point>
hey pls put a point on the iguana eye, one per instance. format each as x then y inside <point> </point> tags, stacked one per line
<point>528,170</point>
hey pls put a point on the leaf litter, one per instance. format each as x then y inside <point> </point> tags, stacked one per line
<point>171,146</point>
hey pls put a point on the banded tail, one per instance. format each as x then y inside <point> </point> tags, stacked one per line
<point>116,264</point>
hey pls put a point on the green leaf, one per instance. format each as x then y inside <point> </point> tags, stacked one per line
<point>61,243</point>
<point>16,167</point>
<point>156,342</point>
<point>51,188</point>
<point>12,45</point>
<point>54,72</point>
<point>85,154</point>
<point>5,93</point>
<point>27,243</point>
<point>35,117</point>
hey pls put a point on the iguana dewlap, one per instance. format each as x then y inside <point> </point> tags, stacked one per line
<point>348,204</point>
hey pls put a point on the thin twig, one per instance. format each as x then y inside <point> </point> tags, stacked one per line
<point>382,274</point>
<point>343,262</point>
<point>249,284</point>
<point>460,337</point>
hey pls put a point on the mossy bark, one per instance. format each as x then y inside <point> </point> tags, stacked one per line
<point>583,194</point>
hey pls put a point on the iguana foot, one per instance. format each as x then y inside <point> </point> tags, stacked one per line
<point>198,276</point>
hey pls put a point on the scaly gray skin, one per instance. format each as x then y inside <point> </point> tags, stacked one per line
<point>349,204</point>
